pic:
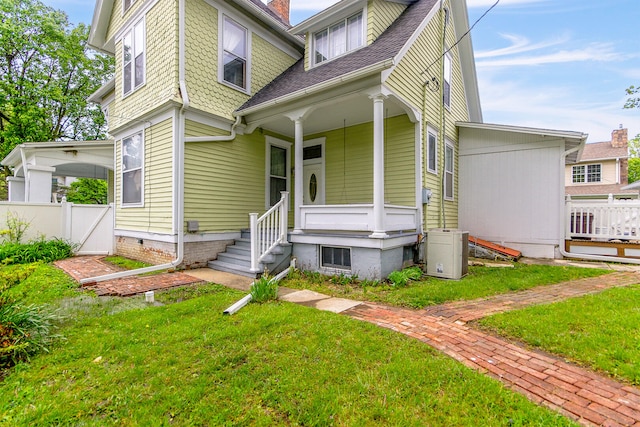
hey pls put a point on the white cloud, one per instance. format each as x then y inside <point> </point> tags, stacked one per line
<point>487,3</point>
<point>602,52</point>
<point>519,44</point>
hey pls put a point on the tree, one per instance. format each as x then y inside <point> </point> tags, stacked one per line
<point>634,169</point>
<point>634,144</point>
<point>633,102</point>
<point>47,72</point>
<point>88,191</point>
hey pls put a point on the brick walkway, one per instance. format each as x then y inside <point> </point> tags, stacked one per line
<point>92,266</point>
<point>577,393</point>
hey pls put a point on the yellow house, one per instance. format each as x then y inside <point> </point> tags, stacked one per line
<point>342,127</point>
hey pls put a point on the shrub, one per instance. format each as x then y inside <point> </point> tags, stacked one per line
<point>401,278</point>
<point>16,227</point>
<point>264,289</point>
<point>40,250</point>
<point>24,330</point>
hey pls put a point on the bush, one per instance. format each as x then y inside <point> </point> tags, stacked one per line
<point>264,289</point>
<point>24,330</point>
<point>402,278</point>
<point>40,250</point>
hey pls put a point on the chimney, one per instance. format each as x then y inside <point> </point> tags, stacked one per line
<point>619,138</point>
<point>281,8</point>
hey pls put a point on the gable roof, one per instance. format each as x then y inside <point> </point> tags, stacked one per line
<point>603,151</point>
<point>384,48</point>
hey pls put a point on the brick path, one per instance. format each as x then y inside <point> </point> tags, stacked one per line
<point>92,266</point>
<point>577,393</point>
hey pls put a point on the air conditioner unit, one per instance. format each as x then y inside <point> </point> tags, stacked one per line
<point>447,253</point>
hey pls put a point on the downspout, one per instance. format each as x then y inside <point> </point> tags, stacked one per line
<point>443,117</point>
<point>178,206</point>
<point>563,224</point>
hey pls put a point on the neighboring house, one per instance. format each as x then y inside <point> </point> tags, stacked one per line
<point>602,169</point>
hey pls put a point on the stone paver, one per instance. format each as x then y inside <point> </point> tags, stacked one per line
<point>466,311</point>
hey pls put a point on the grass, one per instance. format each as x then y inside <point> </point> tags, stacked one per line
<point>599,331</point>
<point>125,362</point>
<point>126,263</point>
<point>480,282</point>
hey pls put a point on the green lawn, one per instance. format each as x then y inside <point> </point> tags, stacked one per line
<point>480,282</point>
<point>600,331</point>
<point>126,363</point>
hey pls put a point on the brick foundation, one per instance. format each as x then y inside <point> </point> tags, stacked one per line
<point>196,254</point>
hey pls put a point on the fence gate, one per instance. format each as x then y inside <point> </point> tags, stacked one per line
<point>91,228</point>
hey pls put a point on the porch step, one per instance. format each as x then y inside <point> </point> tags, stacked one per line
<point>232,268</point>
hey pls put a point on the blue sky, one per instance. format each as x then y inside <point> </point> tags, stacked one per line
<point>557,64</point>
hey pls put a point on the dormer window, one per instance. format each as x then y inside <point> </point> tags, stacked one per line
<point>338,39</point>
<point>126,4</point>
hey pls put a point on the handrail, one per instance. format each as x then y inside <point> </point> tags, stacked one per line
<point>268,231</point>
<point>606,221</point>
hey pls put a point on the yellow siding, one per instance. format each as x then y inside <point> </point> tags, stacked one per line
<point>118,19</point>
<point>157,213</point>
<point>352,181</point>
<point>224,181</point>
<point>380,15</point>
<point>161,67</point>
<point>408,80</point>
<point>267,62</point>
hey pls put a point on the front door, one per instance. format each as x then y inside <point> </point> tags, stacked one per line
<point>313,175</point>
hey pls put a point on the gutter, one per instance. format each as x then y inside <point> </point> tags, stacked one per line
<point>563,225</point>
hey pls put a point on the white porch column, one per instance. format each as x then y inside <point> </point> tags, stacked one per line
<point>298,172</point>
<point>16,188</point>
<point>378,166</point>
<point>38,184</point>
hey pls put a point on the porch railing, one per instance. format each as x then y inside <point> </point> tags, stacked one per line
<point>603,219</point>
<point>268,231</point>
<point>357,218</point>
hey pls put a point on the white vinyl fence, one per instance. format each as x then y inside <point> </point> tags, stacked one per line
<point>89,227</point>
<point>603,220</point>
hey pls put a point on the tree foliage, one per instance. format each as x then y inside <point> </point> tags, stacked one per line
<point>47,71</point>
<point>634,169</point>
<point>88,191</point>
<point>634,144</point>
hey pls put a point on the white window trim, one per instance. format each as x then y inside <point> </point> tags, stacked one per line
<point>312,41</point>
<point>125,9</point>
<point>334,269</point>
<point>432,131</point>
<point>271,141</point>
<point>221,18</point>
<point>449,144</point>
<point>448,78</point>
<point>142,173</point>
<point>131,30</point>
<point>585,173</point>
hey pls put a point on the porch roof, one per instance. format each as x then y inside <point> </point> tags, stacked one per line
<point>382,51</point>
<point>86,159</point>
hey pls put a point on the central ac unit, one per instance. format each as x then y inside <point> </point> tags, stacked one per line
<point>447,253</point>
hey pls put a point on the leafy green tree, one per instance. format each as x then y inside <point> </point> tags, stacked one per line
<point>88,191</point>
<point>47,72</point>
<point>634,144</point>
<point>634,169</point>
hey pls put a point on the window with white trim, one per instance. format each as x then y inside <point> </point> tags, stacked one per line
<point>133,58</point>
<point>132,169</point>
<point>448,171</point>
<point>586,173</point>
<point>446,97</point>
<point>126,4</point>
<point>234,53</point>
<point>338,39</point>
<point>432,151</point>
<point>335,258</point>
<point>278,167</point>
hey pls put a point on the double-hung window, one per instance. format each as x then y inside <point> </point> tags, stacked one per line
<point>446,97</point>
<point>277,167</point>
<point>432,151</point>
<point>339,38</point>
<point>132,169</point>
<point>448,171</point>
<point>234,57</point>
<point>586,173</point>
<point>133,47</point>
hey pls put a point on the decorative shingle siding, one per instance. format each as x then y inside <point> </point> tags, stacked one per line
<point>157,213</point>
<point>380,15</point>
<point>205,92</point>
<point>118,19</point>
<point>352,181</point>
<point>422,62</point>
<point>161,67</point>
<point>224,181</point>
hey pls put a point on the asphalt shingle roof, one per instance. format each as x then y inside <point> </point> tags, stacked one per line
<point>385,47</point>
<point>602,150</point>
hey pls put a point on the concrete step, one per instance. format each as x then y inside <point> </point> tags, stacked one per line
<point>232,268</point>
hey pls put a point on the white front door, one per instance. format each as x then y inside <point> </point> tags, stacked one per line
<point>313,184</point>
<point>313,176</point>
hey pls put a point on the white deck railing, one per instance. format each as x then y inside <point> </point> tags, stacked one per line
<point>603,219</point>
<point>268,231</point>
